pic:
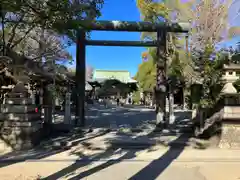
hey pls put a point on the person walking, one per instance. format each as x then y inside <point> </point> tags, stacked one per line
<point>118,101</point>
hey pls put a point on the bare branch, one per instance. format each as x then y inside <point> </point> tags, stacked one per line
<point>22,38</point>
<point>13,32</point>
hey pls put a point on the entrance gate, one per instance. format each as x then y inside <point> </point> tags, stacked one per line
<point>161,44</point>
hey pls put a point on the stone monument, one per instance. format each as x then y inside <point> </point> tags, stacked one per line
<point>230,137</point>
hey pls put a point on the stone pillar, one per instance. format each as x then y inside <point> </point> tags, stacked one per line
<point>67,115</point>
<point>21,127</point>
<point>171,110</point>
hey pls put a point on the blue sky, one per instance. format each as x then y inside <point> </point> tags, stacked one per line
<point>115,58</point>
<point>120,58</point>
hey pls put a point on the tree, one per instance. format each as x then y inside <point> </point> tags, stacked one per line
<point>60,16</point>
<point>206,34</point>
<point>146,76</point>
<point>158,12</point>
<point>115,87</point>
<point>205,30</point>
<point>177,60</point>
<point>34,25</point>
<point>43,29</point>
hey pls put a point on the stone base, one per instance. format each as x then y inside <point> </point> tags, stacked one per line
<point>9,108</point>
<point>16,117</point>
<point>230,137</point>
<point>23,135</point>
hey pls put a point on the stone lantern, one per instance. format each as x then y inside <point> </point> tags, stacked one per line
<point>230,113</point>
<point>229,78</point>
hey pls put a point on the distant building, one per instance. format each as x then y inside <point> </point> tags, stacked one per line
<point>102,75</point>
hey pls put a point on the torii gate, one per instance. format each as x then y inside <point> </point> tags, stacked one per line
<point>160,43</point>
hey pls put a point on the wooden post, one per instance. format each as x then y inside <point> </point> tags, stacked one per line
<point>161,80</point>
<point>80,77</point>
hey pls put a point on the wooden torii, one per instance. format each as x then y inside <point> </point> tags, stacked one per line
<point>161,43</point>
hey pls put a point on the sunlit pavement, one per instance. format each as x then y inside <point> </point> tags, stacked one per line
<point>118,164</point>
<point>164,164</point>
<point>99,116</point>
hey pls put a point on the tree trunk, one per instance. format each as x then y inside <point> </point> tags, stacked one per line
<point>47,107</point>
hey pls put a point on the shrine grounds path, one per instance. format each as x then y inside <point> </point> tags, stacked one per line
<point>130,116</point>
<point>147,163</point>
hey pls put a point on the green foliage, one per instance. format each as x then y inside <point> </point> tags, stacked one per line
<point>152,11</point>
<point>136,96</point>
<point>177,60</point>
<point>57,91</point>
<point>211,77</point>
<point>114,86</point>
<point>146,75</point>
<point>176,68</point>
<point>61,16</point>
<point>205,34</point>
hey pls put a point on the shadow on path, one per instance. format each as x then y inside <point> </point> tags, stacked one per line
<point>156,167</point>
<point>84,161</point>
<point>43,151</point>
<point>150,172</point>
<point>21,157</point>
<point>127,156</point>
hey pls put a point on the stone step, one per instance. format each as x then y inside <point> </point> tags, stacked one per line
<point>22,117</point>
<point>7,108</point>
<point>17,95</point>
<point>19,101</point>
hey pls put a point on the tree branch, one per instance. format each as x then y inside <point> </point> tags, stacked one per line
<point>13,32</point>
<point>22,38</point>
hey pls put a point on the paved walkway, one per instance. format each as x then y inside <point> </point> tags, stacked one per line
<point>162,164</point>
<point>118,164</point>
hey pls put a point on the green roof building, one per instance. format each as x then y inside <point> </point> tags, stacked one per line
<point>102,75</point>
